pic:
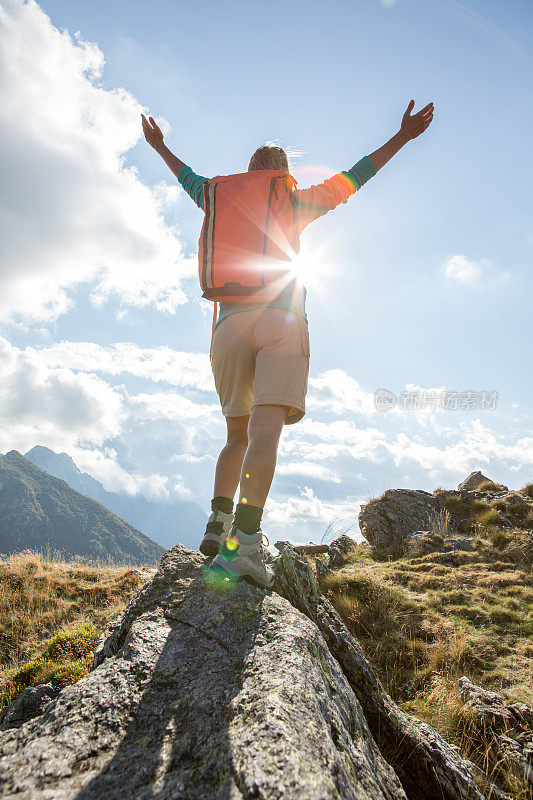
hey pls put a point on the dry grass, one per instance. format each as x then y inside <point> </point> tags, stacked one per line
<point>444,710</point>
<point>439,524</point>
<point>51,615</point>
<point>528,490</point>
<point>490,486</point>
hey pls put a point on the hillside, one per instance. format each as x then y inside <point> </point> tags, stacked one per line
<point>41,512</point>
<point>166,522</point>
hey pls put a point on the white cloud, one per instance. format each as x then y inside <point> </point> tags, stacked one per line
<point>461,269</point>
<point>163,364</point>
<point>338,392</point>
<point>53,407</point>
<point>103,465</point>
<point>306,517</point>
<point>172,407</point>
<point>71,211</point>
<point>309,469</point>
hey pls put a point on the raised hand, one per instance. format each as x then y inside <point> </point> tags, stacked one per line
<point>413,126</point>
<point>152,133</point>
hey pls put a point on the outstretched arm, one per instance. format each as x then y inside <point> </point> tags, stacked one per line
<point>191,182</point>
<point>154,136</point>
<point>412,126</point>
<point>315,201</point>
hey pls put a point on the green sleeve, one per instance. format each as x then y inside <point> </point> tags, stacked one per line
<point>361,172</point>
<point>193,185</point>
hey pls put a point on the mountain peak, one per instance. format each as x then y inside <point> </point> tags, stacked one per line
<point>44,457</point>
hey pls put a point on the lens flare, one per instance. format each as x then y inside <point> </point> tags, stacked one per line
<point>232,543</point>
<point>247,475</point>
<point>218,580</point>
<point>244,500</point>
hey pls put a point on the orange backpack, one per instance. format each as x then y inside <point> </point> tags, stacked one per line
<point>247,233</point>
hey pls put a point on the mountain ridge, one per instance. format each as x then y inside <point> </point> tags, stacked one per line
<point>40,511</point>
<point>164,522</point>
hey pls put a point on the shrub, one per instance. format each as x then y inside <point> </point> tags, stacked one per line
<point>488,517</point>
<point>499,538</point>
<point>528,490</point>
<point>490,486</point>
<point>456,505</point>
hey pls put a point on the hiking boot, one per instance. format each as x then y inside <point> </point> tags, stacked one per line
<point>242,557</point>
<point>217,529</point>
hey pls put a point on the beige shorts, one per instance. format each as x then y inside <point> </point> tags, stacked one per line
<point>261,357</point>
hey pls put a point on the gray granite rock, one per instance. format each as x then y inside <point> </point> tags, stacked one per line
<point>474,481</point>
<point>30,703</point>
<point>387,521</point>
<point>339,549</point>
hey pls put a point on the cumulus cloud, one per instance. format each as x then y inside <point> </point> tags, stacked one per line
<point>53,407</point>
<point>119,439</point>
<point>338,392</point>
<point>309,469</point>
<point>304,517</point>
<point>174,367</point>
<point>71,211</point>
<point>460,269</point>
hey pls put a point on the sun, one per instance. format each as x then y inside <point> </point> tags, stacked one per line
<point>314,268</point>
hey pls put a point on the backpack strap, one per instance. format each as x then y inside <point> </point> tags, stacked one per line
<point>215,309</point>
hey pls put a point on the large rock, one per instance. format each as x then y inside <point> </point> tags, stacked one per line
<point>387,522</point>
<point>201,693</point>
<point>474,481</point>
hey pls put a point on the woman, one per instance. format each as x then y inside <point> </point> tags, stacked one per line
<point>260,350</point>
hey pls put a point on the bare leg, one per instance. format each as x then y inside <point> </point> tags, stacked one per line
<point>264,430</point>
<point>230,459</point>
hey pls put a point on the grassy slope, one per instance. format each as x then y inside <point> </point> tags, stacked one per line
<point>425,621</point>
<point>51,616</point>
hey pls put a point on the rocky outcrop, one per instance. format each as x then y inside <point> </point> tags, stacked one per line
<point>339,550</point>
<point>508,727</point>
<point>473,480</point>
<point>31,702</point>
<point>477,479</point>
<point>335,553</point>
<point>203,693</point>
<point>414,522</point>
<point>387,522</point>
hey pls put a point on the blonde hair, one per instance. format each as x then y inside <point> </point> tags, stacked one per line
<point>269,156</point>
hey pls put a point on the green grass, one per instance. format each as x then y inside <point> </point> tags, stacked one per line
<point>65,659</point>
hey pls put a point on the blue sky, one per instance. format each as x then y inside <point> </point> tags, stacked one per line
<point>422,280</point>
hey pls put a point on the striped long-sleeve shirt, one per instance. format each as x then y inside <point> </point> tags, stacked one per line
<point>308,204</point>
